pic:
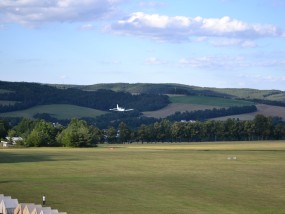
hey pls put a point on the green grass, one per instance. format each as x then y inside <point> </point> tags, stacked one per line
<point>4,91</point>
<point>156,178</point>
<point>7,103</point>
<point>212,101</point>
<point>57,111</point>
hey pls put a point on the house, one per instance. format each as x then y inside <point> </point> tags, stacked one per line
<point>14,140</point>
<point>6,144</point>
<point>29,208</point>
<point>20,208</point>
<point>11,141</point>
<point>11,206</point>
<point>8,205</point>
<point>39,210</point>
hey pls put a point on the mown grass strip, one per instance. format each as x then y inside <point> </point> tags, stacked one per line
<point>154,178</point>
<point>211,101</point>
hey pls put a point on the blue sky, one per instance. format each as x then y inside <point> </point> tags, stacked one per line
<point>208,43</point>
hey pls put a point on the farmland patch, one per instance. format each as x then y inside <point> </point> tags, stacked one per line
<point>58,111</point>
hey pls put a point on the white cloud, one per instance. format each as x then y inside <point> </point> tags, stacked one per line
<point>35,12</point>
<point>181,28</point>
<point>154,61</point>
<point>233,42</point>
<point>214,62</point>
<point>87,27</point>
<point>232,63</point>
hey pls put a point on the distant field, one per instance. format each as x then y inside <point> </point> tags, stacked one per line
<point>6,103</point>
<point>2,91</point>
<point>194,103</point>
<point>150,178</point>
<point>266,110</point>
<point>177,107</point>
<point>212,101</point>
<point>274,95</point>
<point>57,111</point>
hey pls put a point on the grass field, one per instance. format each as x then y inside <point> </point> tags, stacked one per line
<point>4,91</point>
<point>212,101</point>
<point>154,178</point>
<point>6,103</point>
<point>194,103</point>
<point>172,108</point>
<point>266,110</point>
<point>58,111</point>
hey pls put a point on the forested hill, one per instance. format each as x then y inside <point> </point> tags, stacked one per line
<point>140,96</point>
<point>25,95</point>
<point>275,97</point>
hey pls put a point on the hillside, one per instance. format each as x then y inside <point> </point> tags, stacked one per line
<point>266,110</point>
<point>27,95</point>
<point>183,103</point>
<point>155,101</point>
<point>137,88</point>
<point>59,111</point>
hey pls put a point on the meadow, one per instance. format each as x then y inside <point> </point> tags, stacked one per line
<point>212,101</point>
<point>150,178</point>
<point>59,111</point>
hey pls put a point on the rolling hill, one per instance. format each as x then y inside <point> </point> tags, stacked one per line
<point>59,111</point>
<point>152,100</point>
<point>170,88</point>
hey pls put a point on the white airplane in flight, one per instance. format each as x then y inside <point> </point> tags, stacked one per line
<point>120,109</point>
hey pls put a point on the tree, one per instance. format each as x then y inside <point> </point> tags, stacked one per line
<point>279,132</point>
<point>3,128</point>
<point>124,133</point>
<point>262,126</point>
<point>162,130</point>
<point>111,135</point>
<point>44,134</point>
<point>78,134</point>
<point>178,130</point>
<point>24,128</point>
<point>96,134</point>
<point>143,133</point>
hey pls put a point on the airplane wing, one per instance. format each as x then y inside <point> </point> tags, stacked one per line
<point>129,109</point>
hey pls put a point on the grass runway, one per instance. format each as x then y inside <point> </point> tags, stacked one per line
<point>150,178</point>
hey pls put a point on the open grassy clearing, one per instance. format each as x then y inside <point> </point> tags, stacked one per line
<point>58,111</point>
<point>266,110</point>
<point>212,101</point>
<point>150,178</point>
<point>177,107</point>
<point>4,91</point>
<point>7,103</point>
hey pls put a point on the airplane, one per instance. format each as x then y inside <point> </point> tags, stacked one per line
<point>120,109</point>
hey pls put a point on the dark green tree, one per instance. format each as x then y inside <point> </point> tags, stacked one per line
<point>124,133</point>
<point>111,135</point>
<point>78,134</point>
<point>44,134</point>
<point>262,126</point>
<point>24,128</point>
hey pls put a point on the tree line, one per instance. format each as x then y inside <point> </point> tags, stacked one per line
<point>78,133</point>
<point>27,95</point>
<point>211,113</point>
<point>134,119</point>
